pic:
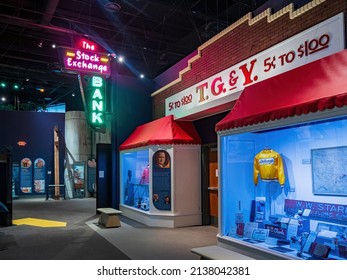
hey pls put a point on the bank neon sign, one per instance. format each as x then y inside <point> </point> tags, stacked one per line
<point>97,104</point>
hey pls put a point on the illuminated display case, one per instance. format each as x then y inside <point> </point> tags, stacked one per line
<point>160,185</point>
<point>135,183</point>
<point>283,191</point>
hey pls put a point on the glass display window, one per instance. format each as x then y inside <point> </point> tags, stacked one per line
<point>284,191</point>
<point>135,179</point>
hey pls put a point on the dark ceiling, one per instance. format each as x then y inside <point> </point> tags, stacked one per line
<point>152,35</point>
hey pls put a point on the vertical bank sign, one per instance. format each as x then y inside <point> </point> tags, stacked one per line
<point>93,67</point>
<point>96,101</point>
<point>312,44</point>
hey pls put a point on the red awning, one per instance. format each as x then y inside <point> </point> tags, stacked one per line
<point>164,131</point>
<point>316,86</point>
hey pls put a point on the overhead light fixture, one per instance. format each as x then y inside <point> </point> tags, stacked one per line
<point>40,44</point>
<point>112,55</point>
<point>112,7</point>
<point>54,46</point>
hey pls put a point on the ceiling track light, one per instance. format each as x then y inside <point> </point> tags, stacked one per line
<point>113,7</point>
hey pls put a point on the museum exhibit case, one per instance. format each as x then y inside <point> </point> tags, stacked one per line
<point>160,174</point>
<point>283,166</point>
<point>285,189</point>
<point>135,169</point>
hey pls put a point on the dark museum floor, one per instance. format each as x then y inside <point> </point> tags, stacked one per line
<point>83,239</point>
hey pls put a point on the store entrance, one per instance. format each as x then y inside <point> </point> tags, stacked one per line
<point>210,184</point>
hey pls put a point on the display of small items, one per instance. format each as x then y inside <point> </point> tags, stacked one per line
<point>140,197</point>
<point>137,195</point>
<point>292,234</point>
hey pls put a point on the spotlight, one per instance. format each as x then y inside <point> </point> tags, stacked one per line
<point>121,59</point>
<point>142,76</point>
<point>54,46</point>
<point>40,44</point>
<point>3,85</point>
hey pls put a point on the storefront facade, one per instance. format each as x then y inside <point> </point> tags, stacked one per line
<point>283,187</point>
<point>292,56</point>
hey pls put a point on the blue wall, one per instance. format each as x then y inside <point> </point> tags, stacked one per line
<point>37,130</point>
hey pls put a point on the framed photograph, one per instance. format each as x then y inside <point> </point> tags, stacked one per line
<point>329,171</point>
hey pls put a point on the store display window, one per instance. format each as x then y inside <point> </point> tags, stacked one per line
<point>284,190</point>
<point>135,179</point>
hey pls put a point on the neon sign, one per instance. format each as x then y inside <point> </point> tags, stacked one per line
<point>85,44</point>
<point>97,104</point>
<point>85,58</point>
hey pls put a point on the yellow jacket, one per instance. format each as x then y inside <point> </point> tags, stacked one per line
<point>269,165</point>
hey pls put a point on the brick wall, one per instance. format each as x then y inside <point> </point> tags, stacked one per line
<point>245,38</point>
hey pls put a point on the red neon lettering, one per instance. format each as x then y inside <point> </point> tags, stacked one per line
<point>88,46</point>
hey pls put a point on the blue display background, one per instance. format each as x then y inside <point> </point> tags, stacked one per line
<point>295,144</point>
<point>15,177</point>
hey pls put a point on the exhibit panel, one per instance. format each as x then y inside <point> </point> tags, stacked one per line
<point>284,191</point>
